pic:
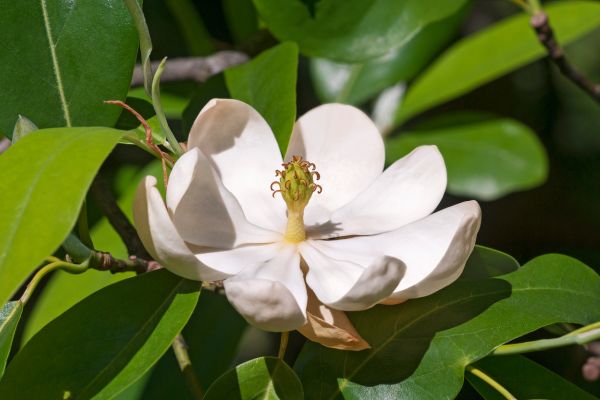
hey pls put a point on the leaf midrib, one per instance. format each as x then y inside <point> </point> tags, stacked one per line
<point>55,65</point>
<point>346,379</point>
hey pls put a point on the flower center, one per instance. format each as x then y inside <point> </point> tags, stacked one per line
<point>296,185</point>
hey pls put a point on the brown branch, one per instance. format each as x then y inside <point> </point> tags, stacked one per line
<point>197,69</point>
<point>102,261</point>
<point>540,23</point>
<point>102,193</point>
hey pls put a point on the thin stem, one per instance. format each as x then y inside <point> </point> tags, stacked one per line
<point>103,261</point>
<point>135,9</point>
<point>159,111</point>
<point>490,381</point>
<point>185,365</point>
<point>581,336</point>
<point>46,269</point>
<point>103,195</point>
<point>534,6</point>
<point>540,23</point>
<point>82,225</point>
<point>283,344</point>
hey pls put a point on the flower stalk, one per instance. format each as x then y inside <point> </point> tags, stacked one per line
<point>581,336</point>
<point>491,381</point>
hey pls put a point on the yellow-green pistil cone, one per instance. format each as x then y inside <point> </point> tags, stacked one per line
<point>296,185</point>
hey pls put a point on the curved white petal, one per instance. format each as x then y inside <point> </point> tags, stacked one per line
<point>346,148</point>
<point>408,190</point>
<point>242,149</point>
<point>204,212</point>
<point>346,285</point>
<point>271,295</point>
<point>434,249</point>
<point>162,240</point>
<point>235,260</point>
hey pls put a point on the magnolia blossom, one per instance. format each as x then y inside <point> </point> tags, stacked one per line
<point>327,231</point>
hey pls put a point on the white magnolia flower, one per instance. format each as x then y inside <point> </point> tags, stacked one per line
<point>368,238</point>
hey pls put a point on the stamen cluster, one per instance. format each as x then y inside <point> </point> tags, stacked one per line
<point>296,183</point>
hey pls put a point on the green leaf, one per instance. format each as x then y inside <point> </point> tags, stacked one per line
<point>72,55</point>
<point>189,22</point>
<point>10,314</point>
<point>64,290</point>
<point>139,134</point>
<point>351,30</point>
<point>420,348</point>
<point>261,378</point>
<point>493,52</point>
<point>268,83</point>
<point>485,262</point>
<point>46,176</point>
<point>486,160</point>
<point>357,83</point>
<point>212,334</point>
<point>104,343</point>
<point>524,379</point>
<point>242,20</point>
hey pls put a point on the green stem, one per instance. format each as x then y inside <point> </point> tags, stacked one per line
<point>283,344</point>
<point>76,249</point>
<point>581,336</point>
<point>159,111</point>
<point>490,381</point>
<point>185,365</point>
<point>534,6</point>
<point>46,269</point>
<point>83,228</point>
<point>135,9</point>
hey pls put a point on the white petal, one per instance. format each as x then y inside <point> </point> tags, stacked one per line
<point>346,148</point>
<point>434,249</point>
<point>162,240</point>
<point>346,285</point>
<point>234,260</point>
<point>271,295</point>
<point>408,190</point>
<point>204,212</point>
<point>242,149</point>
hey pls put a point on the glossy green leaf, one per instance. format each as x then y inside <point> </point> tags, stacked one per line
<point>71,55</point>
<point>105,342</point>
<point>351,30</point>
<point>497,50</point>
<point>524,379</point>
<point>261,378</point>
<point>64,290</point>
<point>485,262</point>
<point>212,334</point>
<point>268,83</point>
<point>357,83</point>
<point>45,178</point>
<point>420,348</point>
<point>10,314</point>
<point>486,160</point>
